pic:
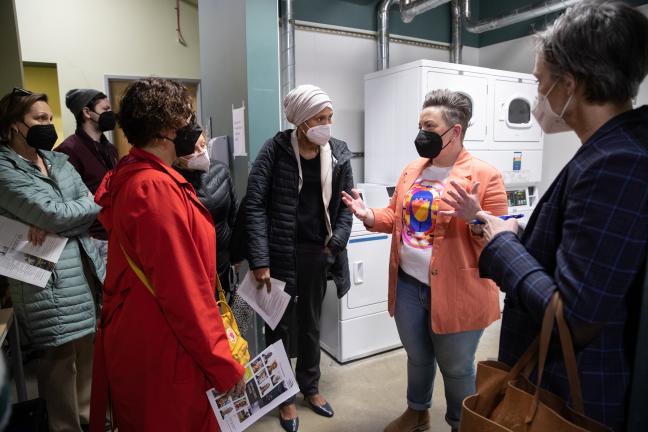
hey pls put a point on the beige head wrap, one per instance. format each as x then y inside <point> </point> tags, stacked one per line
<point>304,102</point>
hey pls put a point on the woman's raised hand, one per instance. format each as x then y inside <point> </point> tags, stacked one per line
<point>466,205</point>
<point>356,204</point>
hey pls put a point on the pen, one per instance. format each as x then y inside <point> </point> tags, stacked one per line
<point>503,217</point>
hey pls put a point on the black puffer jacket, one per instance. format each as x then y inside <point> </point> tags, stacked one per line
<point>271,210</point>
<point>215,190</point>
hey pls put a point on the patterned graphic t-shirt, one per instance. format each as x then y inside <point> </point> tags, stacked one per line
<point>420,208</point>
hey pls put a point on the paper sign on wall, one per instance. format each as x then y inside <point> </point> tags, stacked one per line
<point>238,128</point>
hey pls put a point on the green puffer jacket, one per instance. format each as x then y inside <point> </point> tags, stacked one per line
<point>64,310</point>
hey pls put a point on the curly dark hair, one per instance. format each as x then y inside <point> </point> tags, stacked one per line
<point>151,105</point>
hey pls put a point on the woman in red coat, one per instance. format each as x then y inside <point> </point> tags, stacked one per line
<point>159,349</point>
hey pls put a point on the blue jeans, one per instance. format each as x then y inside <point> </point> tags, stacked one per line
<point>454,352</point>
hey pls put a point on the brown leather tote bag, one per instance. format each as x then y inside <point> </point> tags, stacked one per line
<point>507,401</point>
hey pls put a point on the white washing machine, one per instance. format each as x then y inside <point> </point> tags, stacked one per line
<point>502,130</point>
<point>358,325</point>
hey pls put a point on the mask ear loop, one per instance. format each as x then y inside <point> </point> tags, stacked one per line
<point>569,99</point>
<point>95,121</point>
<point>551,88</point>
<point>20,133</point>
<point>448,130</point>
<point>301,130</point>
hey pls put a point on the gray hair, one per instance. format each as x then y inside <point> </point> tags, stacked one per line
<point>456,107</point>
<point>602,44</point>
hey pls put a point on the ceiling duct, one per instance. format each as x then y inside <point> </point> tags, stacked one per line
<point>287,51</point>
<point>456,46</point>
<point>514,17</point>
<point>409,9</point>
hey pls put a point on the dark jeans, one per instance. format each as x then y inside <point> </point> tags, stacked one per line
<point>299,328</point>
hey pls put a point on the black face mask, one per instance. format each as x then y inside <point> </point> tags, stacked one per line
<point>186,137</point>
<point>106,121</point>
<point>41,137</point>
<point>429,144</point>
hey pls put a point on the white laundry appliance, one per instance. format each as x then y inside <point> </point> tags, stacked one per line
<point>502,130</point>
<point>358,324</point>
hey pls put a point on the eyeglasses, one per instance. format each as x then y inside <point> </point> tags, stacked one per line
<point>18,92</point>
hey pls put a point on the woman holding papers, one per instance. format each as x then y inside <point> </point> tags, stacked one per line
<point>297,228</point>
<point>41,189</point>
<point>161,343</point>
<point>440,304</point>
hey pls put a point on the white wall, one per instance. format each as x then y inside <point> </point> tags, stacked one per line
<point>338,64</point>
<point>88,39</point>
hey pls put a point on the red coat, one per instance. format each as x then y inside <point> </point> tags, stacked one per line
<point>158,356</point>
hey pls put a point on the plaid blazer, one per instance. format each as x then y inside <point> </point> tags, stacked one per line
<point>587,238</point>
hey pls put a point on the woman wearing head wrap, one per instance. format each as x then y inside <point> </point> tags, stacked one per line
<point>298,228</point>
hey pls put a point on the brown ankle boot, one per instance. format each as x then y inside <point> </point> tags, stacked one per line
<point>410,421</point>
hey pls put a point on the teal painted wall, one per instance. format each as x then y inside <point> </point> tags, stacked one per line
<point>262,38</point>
<point>433,25</point>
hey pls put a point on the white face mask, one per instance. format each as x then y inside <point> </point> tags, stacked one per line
<point>549,121</point>
<point>319,135</point>
<point>199,161</point>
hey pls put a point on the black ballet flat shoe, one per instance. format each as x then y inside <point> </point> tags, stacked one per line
<point>324,410</point>
<point>290,425</point>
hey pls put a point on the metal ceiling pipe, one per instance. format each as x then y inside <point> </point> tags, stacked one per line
<point>288,49</point>
<point>514,17</point>
<point>410,9</point>
<point>456,46</point>
<point>383,33</point>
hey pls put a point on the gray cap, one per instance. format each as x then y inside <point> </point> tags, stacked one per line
<point>76,99</point>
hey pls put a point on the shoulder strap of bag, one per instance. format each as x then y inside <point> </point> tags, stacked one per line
<point>139,273</point>
<point>147,283</point>
<point>219,289</point>
<point>569,356</point>
<point>553,312</point>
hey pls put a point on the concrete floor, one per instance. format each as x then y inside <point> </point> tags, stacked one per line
<point>367,394</point>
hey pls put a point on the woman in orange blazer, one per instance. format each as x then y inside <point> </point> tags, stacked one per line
<point>440,304</point>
